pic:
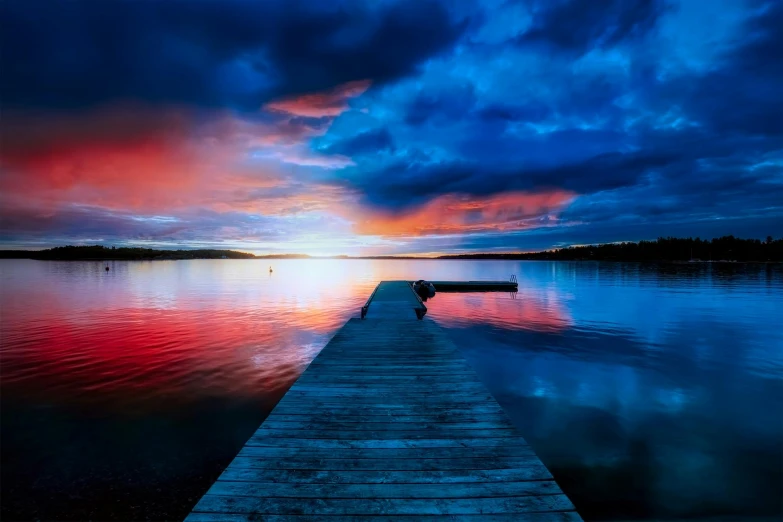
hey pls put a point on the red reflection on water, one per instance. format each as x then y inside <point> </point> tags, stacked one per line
<point>527,311</point>
<point>143,354</point>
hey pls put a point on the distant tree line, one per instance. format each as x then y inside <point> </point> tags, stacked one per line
<point>726,248</point>
<point>98,252</point>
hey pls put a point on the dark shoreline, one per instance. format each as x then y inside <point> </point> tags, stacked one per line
<point>645,261</point>
<point>723,250</point>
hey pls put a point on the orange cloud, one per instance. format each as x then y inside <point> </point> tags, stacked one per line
<point>460,214</point>
<point>318,105</point>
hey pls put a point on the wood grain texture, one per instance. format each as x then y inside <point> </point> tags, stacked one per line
<point>388,422</point>
<point>550,516</point>
<point>264,505</point>
<point>441,477</point>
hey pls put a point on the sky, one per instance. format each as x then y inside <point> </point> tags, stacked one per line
<point>388,126</point>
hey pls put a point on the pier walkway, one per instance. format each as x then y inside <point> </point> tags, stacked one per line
<point>388,422</point>
<point>394,300</point>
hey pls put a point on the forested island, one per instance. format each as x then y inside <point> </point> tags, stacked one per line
<point>727,248</point>
<point>101,253</point>
<point>669,249</point>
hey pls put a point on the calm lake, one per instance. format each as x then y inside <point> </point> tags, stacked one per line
<point>650,391</point>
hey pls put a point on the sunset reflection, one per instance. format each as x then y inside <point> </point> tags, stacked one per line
<point>527,310</point>
<point>139,333</point>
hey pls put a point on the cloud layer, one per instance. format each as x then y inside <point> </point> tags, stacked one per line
<point>394,127</point>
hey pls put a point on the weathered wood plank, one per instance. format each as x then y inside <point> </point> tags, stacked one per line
<point>368,507</point>
<point>381,389</point>
<point>532,472</point>
<point>261,440</point>
<point>435,386</point>
<point>328,369</point>
<point>305,408</point>
<point>409,403</point>
<point>395,491</point>
<point>391,425</point>
<point>387,464</point>
<point>429,417</point>
<point>396,434</point>
<point>319,424</point>
<point>315,378</point>
<point>378,366</point>
<point>551,516</point>
<point>386,453</point>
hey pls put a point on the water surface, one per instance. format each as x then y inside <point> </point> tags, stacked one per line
<point>651,392</point>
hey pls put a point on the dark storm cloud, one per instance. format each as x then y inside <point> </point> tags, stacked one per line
<point>96,223</point>
<point>743,95</point>
<point>531,112</point>
<point>578,25</point>
<point>233,53</point>
<point>445,104</point>
<point>406,184</point>
<point>369,142</point>
<point>692,149</point>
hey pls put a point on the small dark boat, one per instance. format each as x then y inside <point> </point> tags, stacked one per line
<point>424,289</point>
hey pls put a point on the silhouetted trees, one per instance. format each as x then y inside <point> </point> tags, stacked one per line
<point>726,248</point>
<point>98,252</point>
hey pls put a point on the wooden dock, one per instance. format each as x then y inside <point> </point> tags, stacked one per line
<point>388,422</point>
<point>394,300</point>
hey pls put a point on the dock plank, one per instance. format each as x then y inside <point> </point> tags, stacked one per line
<point>386,453</point>
<point>263,505</point>
<point>385,416</point>
<point>260,440</point>
<point>375,425</point>
<point>551,516</point>
<point>533,472</point>
<point>465,463</point>
<point>378,491</point>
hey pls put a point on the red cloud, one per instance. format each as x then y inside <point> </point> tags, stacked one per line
<point>146,160</point>
<point>143,160</point>
<point>455,214</point>
<point>318,105</point>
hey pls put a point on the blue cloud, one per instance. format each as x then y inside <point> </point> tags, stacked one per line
<point>646,139</point>
<point>580,25</point>
<point>369,142</point>
<point>231,53</point>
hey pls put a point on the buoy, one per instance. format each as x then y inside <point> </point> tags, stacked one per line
<point>107,268</point>
<point>270,269</point>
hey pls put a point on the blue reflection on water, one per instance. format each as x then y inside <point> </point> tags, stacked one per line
<point>649,391</point>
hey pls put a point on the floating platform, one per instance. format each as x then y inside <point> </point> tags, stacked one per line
<point>475,286</point>
<point>388,421</point>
